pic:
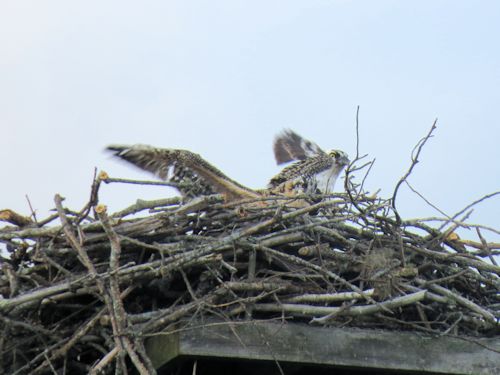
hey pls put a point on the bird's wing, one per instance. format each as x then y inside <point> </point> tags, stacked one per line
<point>288,173</point>
<point>194,174</point>
<point>289,146</point>
<point>304,169</point>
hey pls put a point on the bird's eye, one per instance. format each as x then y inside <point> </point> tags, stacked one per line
<point>334,153</point>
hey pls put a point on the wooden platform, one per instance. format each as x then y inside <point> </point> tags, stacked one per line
<point>332,347</point>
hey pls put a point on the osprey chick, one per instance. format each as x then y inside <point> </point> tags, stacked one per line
<point>193,174</point>
<point>314,170</point>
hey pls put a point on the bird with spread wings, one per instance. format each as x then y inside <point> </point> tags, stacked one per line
<point>313,169</point>
<point>193,175</point>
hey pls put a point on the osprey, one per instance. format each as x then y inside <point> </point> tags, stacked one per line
<point>314,170</point>
<point>193,174</point>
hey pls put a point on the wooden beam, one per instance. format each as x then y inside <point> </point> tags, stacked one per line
<point>327,346</point>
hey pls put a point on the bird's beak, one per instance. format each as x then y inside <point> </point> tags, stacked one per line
<point>343,160</point>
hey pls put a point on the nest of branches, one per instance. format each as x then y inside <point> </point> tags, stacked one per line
<point>83,295</point>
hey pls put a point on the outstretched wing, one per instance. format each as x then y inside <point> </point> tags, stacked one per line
<point>289,146</point>
<point>194,175</point>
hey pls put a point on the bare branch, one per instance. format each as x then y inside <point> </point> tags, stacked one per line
<point>414,161</point>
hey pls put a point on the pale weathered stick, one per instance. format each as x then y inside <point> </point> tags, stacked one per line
<point>314,311</point>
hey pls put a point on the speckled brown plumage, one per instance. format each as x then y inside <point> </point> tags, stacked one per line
<point>289,146</point>
<point>314,170</point>
<point>194,174</point>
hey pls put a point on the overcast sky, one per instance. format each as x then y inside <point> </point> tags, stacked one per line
<point>221,78</point>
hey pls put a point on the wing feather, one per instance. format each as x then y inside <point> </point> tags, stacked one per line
<point>289,146</point>
<point>303,169</point>
<point>193,173</point>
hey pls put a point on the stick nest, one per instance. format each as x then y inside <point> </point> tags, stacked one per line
<point>79,295</point>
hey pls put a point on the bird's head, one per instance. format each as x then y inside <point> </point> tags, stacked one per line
<point>340,158</point>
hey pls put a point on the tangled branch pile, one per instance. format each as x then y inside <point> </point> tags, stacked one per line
<point>80,295</point>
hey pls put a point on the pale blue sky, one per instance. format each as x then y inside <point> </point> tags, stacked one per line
<point>221,78</point>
